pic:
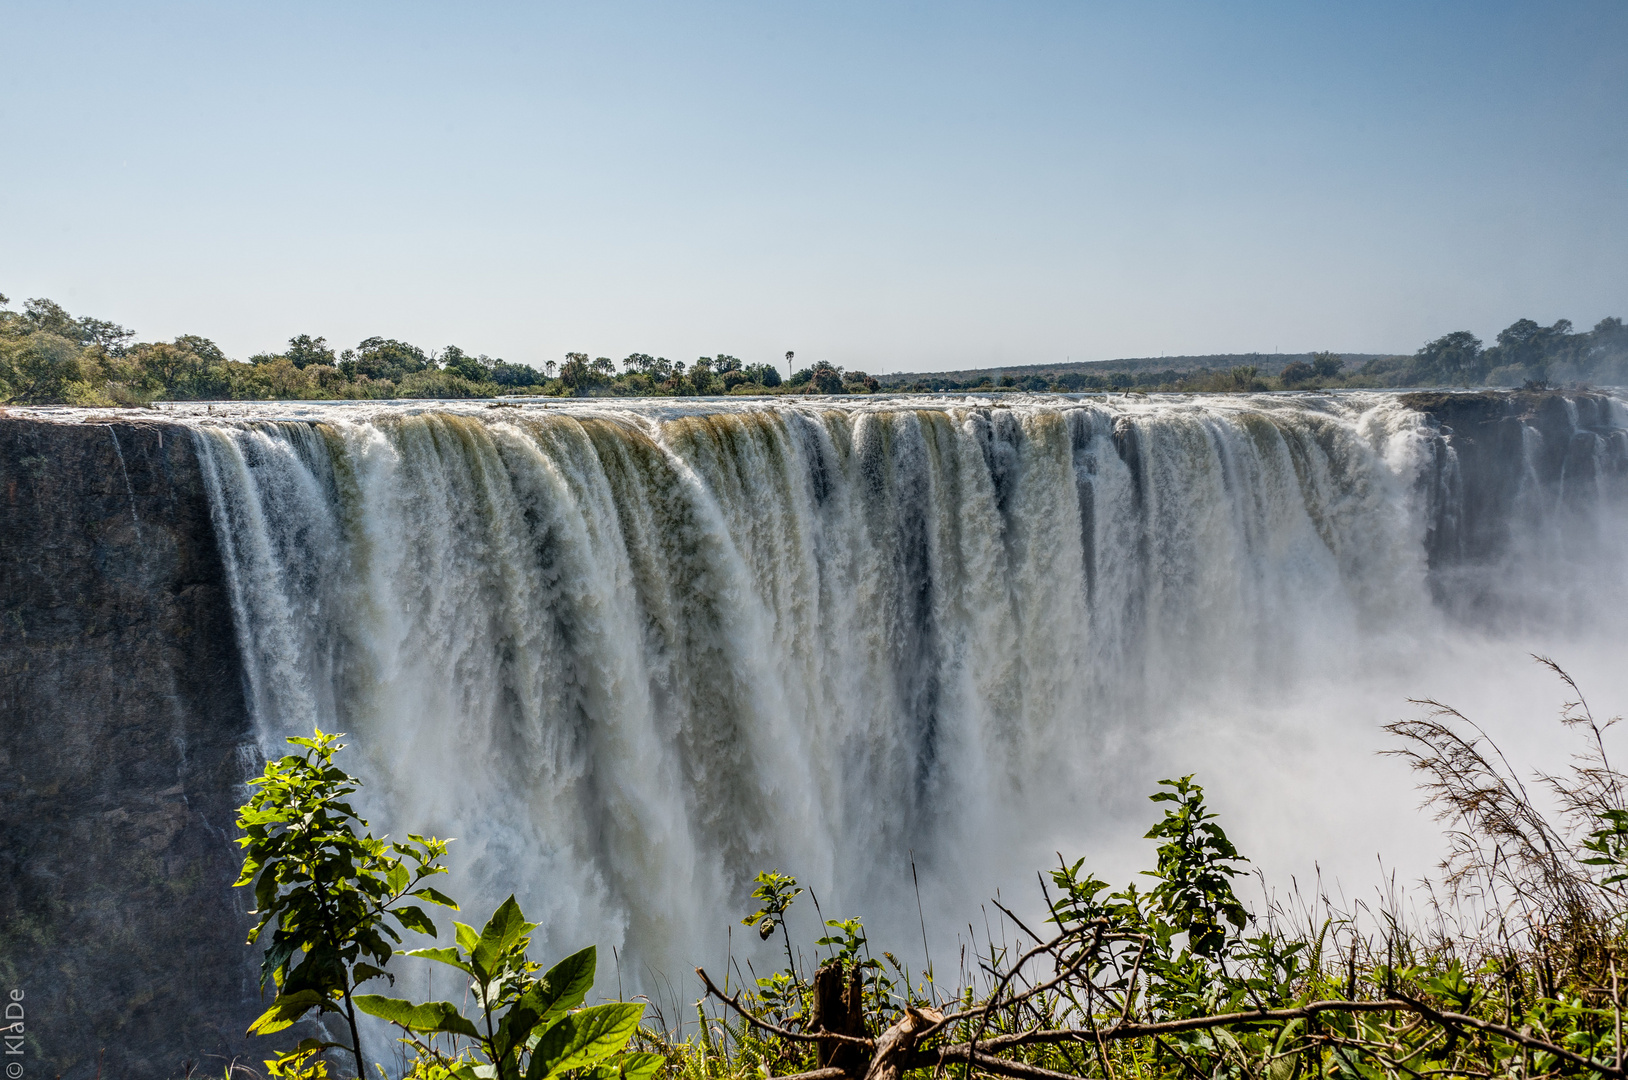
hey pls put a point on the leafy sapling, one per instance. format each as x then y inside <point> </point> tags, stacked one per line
<point>1195,869</point>
<point>527,1028</point>
<point>775,891</point>
<point>326,888</point>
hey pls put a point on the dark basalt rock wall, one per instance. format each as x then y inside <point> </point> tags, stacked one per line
<point>124,744</point>
<point>1558,449</point>
<point>1520,499</point>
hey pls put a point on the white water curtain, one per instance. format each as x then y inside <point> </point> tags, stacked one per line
<point>629,657</point>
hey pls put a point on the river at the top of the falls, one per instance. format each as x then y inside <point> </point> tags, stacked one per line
<point>631,653</point>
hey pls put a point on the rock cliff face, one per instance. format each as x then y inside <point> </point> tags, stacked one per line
<point>123,750</point>
<point>1518,458</point>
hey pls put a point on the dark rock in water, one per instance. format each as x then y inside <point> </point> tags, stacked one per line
<point>124,745</point>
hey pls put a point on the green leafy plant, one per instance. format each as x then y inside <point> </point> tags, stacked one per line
<point>326,889</point>
<point>1195,869</point>
<point>775,891</point>
<point>304,1062</point>
<point>1609,843</point>
<point>528,1028</point>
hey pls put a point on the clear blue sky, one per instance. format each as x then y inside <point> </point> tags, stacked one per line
<point>890,186</point>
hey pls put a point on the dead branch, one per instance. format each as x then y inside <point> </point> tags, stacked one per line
<point>1117,1032</point>
<point>894,1048</point>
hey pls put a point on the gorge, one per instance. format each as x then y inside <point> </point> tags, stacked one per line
<point>631,653</point>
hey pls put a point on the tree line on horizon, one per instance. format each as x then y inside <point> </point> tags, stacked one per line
<point>49,357</point>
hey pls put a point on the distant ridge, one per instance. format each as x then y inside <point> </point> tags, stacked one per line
<point>1267,363</point>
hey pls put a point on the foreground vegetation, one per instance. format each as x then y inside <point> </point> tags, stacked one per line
<point>1514,969</point>
<point>48,356</point>
<point>334,900</point>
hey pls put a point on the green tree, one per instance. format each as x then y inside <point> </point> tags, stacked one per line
<point>1326,365</point>
<point>763,374</point>
<point>701,377</point>
<point>1455,358</point>
<point>48,316</point>
<point>826,378</point>
<point>1529,345</point>
<point>1296,372</point>
<point>579,374</point>
<point>325,887</point>
<point>305,350</point>
<point>38,368</point>
<point>474,368</point>
<point>384,358</point>
<point>507,374</point>
<point>109,336</point>
<point>188,368</point>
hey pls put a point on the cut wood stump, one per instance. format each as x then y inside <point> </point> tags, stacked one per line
<point>839,1007</point>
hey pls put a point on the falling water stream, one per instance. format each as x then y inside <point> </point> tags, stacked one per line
<point>630,654</point>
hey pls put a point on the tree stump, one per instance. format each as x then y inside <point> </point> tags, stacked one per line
<point>839,1007</point>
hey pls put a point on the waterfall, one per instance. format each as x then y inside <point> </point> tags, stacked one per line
<point>631,653</point>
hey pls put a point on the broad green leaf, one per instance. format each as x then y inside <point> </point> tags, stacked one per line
<point>584,1038</point>
<point>448,956</point>
<point>565,985</point>
<point>361,973</point>
<point>286,1009</point>
<point>414,919</point>
<point>468,937</point>
<point>435,896</point>
<point>636,1066</point>
<point>499,935</point>
<point>551,997</point>
<point>431,1016</point>
<point>516,1027</point>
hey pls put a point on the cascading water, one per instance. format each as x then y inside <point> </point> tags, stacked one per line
<point>631,654</point>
